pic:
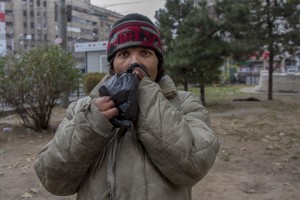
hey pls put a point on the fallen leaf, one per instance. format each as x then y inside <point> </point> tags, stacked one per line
<point>34,190</point>
<point>278,164</point>
<point>27,153</point>
<point>25,167</point>
<point>26,195</point>
<point>287,184</point>
<point>273,138</point>
<point>251,191</point>
<point>281,134</point>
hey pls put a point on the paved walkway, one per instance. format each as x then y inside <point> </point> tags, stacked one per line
<point>252,90</point>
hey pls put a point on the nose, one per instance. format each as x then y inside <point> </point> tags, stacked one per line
<point>135,58</point>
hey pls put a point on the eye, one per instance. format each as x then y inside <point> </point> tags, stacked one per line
<point>147,52</point>
<point>122,54</point>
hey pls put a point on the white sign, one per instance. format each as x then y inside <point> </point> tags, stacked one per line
<point>91,46</point>
<point>2,28</point>
<point>73,29</point>
<point>57,41</point>
<point>3,49</point>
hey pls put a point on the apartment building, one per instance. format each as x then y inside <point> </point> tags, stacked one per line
<point>25,24</point>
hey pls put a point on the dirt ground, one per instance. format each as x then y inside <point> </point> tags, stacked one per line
<point>259,158</point>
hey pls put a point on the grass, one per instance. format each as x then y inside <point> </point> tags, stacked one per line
<point>229,92</point>
<point>220,97</point>
<point>218,92</point>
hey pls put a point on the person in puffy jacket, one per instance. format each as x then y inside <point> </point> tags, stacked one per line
<point>167,150</point>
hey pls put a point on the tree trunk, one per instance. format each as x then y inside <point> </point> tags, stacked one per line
<point>186,82</point>
<point>202,89</point>
<point>271,52</point>
<point>270,85</point>
<point>65,100</point>
<point>62,30</point>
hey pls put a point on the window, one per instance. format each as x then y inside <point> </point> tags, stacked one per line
<point>25,25</point>
<point>8,24</point>
<point>31,25</point>
<point>38,3</point>
<point>24,13</point>
<point>45,3</point>
<point>9,35</point>
<point>8,12</point>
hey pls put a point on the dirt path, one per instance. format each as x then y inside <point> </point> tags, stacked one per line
<point>259,156</point>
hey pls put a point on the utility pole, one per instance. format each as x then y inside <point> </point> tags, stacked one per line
<point>62,23</point>
<point>62,30</point>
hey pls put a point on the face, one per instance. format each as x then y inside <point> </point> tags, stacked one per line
<point>147,57</point>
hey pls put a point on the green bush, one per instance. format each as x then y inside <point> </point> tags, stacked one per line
<point>90,80</point>
<point>33,82</point>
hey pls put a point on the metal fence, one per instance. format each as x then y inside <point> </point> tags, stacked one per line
<point>74,95</point>
<point>4,106</point>
<point>77,94</point>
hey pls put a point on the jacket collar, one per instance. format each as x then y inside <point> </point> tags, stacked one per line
<point>166,84</point>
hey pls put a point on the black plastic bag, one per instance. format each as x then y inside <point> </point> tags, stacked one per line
<point>122,89</point>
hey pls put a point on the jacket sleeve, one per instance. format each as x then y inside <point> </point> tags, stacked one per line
<point>80,138</point>
<point>179,141</point>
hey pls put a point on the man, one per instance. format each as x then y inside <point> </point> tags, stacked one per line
<point>169,149</point>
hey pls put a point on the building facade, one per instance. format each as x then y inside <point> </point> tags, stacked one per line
<point>25,24</point>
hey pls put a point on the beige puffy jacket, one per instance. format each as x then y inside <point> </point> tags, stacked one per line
<point>169,151</point>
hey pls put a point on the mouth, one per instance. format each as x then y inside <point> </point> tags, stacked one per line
<point>137,65</point>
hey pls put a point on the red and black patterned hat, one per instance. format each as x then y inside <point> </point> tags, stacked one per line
<point>134,30</point>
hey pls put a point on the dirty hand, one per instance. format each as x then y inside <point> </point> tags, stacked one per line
<point>139,72</point>
<point>106,106</point>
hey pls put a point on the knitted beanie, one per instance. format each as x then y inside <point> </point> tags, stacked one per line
<point>134,30</point>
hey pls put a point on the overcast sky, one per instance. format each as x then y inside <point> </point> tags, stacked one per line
<point>145,7</point>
